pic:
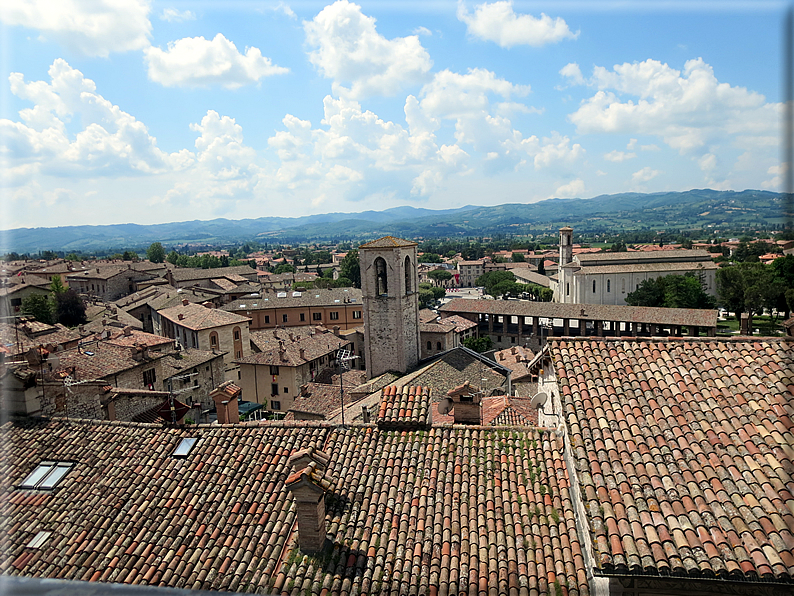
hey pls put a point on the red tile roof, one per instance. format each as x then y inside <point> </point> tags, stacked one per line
<point>685,454</point>
<point>406,407</point>
<point>470,510</point>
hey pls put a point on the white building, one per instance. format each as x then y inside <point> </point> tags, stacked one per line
<point>606,278</point>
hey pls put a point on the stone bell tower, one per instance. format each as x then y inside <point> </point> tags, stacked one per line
<point>390,288</point>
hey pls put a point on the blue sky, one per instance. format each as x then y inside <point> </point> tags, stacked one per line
<point>115,111</point>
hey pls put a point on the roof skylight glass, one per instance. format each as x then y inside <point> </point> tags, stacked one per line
<point>46,475</point>
<point>39,539</point>
<point>184,447</point>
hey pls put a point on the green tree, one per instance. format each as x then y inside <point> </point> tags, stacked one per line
<point>350,268</point>
<point>426,296</point>
<point>130,256</point>
<point>155,253</point>
<point>69,309</point>
<point>72,257</point>
<point>56,285</point>
<point>429,257</point>
<point>748,287</point>
<point>478,344</point>
<point>541,267</point>
<point>518,257</point>
<point>173,257</point>
<point>492,279</point>
<point>439,276</point>
<point>671,291</point>
<point>284,268</point>
<point>40,307</point>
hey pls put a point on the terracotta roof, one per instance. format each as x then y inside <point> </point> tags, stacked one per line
<point>451,510</point>
<point>197,317</point>
<point>97,359</point>
<point>136,337</point>
<point>516,359</point>
<point>404,408</point>
<point>603,312</point>
<point>499,410</point>
<point>318,399</point>
<point>190,273</point>
<point>178,362</point>
<point>223,284</point>
<point>388,242</point>
<point>685,454</point>
<point>646,267</point>
<point>642,257</point>
<point>309,298</point>
<point>301,349</point>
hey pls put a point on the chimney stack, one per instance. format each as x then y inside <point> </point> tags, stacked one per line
<point>185,301</point>
<point>181,316</point>
<point>302,352</point>
<point>308,491</point>
<point>127,330</point>
<point>225,397</point>
<point>466,404</point>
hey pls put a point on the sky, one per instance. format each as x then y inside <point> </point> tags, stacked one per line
<point>148,111</point>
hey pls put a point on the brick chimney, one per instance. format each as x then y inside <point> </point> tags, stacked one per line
<point>225,397</point>
<point>308,487</point>
<point>466,404</point>
<point>302,353</point>
<point>127,330</point>
<point>181,316</point>
<point>185,301</point>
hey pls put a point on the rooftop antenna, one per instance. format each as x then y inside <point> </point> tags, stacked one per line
<point>344,356</point>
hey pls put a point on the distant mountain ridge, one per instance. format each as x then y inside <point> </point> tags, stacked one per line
<point>619,212</point>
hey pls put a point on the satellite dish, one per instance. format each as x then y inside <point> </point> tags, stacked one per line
<point>539,400</point>
<point>445,406</point>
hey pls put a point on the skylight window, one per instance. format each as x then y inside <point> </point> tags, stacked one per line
<point>46,475</point>
<point>184,447</point>
<point>39,539</point>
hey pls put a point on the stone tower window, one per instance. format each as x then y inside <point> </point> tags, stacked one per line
<point>408,275</point>
<point>381,281</point>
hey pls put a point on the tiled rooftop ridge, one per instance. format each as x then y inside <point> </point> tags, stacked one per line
<point>461,510</point>
<point>685,454</point>
<point>404,408</point>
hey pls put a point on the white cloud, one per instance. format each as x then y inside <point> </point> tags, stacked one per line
<point>111,143</point>
<point>619,156</point>
<point>644,175</point>
<point>90,27</point>
<point>422,31</point>
<point>195,62</point>
<point>360,61</point>
<point>284,8</point>
<point>574,189</point>
<point>708,162</point>
<point>573,73</point>
<point>650,147</point>
<point>689,110</point>
<point>631,145</point>
<point>172,15</point>
<point>498,22</point>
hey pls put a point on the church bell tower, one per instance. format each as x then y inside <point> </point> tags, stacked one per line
<point>390,288</point>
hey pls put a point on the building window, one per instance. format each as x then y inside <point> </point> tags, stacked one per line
<point>381,279</point>
<point>267,319</point>
<point>356,314</point>
<point>284,318</point>
<point>238,354</point>
<point>273,389</point>
<point>567,289</point>
<point>149,377</point>
<point>275,405</point>
<point>438,345</point>
<point>236,333</point>
<point>214,339</point>
<point>39,539</point>
<point>609,285</point>
<point>429,345</point>
<point>593,286</point>
<point>274,370</point>
<point>408,275</point>
<point>317,316</point>
<point>46,475</point>
<point>303,316</point>
<point>512,339</point>
<point>498,339</point>
<point>184,447</point>
<point>334,316</point>
<point>286,389</point>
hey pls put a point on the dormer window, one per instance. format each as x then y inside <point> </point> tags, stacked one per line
<point>46,475</point>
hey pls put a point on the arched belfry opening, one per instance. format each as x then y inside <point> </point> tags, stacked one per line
<point>381,277</point>
<point>409,275</point>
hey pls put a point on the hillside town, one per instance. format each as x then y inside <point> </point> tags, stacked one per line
<point>519,423</point>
